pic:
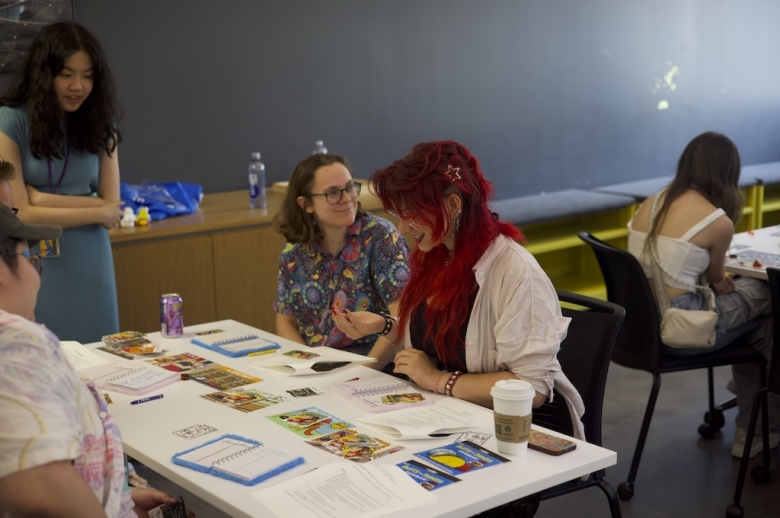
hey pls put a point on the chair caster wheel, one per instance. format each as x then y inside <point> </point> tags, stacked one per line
<point>761,475</point>
<point>734,511</point>
<point>707,431</point>
<point>715,419</point>
<point>625,491</point>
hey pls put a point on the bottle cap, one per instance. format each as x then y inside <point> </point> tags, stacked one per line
<point>255,155</point>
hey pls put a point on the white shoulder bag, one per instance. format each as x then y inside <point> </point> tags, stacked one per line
<point>682,328</point>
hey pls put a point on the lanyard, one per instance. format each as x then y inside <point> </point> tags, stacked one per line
<point>62,174</point>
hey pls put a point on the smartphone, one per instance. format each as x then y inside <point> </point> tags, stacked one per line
<point>176,510</point>
<point>550,444</point>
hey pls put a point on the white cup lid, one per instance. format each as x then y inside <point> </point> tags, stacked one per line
<point>512,389</point>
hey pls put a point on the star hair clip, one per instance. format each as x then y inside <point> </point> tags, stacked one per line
<point>453,173</point>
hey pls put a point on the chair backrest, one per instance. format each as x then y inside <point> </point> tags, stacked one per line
<point>773,275</point>
<point>586,352</point>
<point>639,342</point>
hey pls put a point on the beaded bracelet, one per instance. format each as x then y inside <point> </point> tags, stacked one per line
<point>451,382</point>
<point>388,326</point>
<point>438,379</point>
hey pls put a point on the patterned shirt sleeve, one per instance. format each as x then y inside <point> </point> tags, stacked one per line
<point>389,260</point>
<point>282,303</point>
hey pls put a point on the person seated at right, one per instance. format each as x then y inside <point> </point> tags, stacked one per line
<point>338,257</point>
<point>692,231</point>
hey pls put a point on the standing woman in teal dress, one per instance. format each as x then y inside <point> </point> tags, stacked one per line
<point>58,127</point>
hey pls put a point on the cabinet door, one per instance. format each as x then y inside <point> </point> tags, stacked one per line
<point>245,269</point>
<point>147,269</point>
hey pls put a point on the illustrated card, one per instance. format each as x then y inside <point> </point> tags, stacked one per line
<point>428,477</point>
<point>222,378</point>
<point>196,430</point>
<point>353,445</point>
<point>301,355</point>
<point>130,352</point>
<point>310,422</point>
<point>181,362</point>
<point>305,392</point>
<point>475,437</point>
<point>124,338</point>
<point>461,457</point>
<point>244,399</point>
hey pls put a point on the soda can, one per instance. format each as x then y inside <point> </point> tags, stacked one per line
<point>171,315</point>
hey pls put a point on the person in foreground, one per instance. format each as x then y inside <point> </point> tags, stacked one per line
<point>338,255</point>
<point>692,229</point>
<point>58,128</point>
<point>60,450</point>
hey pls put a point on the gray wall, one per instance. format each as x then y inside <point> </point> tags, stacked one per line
<point>549,94</point>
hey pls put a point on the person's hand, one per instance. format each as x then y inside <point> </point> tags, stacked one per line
<point>357,325</point>
<point>418,366</point>
<point>109,214</point>
<point>146,499</point>
<point>723,286</point>
<point>33,195</point>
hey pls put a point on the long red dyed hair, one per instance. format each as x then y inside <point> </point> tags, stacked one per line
<point>415,188</point>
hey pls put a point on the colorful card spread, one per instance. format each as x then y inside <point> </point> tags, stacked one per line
<point>310,422</point>
<point>245,400</point>
<point>181,362</point>
<point>222,378</point>
<point>355,446</point>
<point>131,352</point>
<point>124,338</point>
<point>461,457</point>
<point>428,477</point>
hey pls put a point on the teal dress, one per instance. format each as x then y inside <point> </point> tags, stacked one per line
<point>77,300</point>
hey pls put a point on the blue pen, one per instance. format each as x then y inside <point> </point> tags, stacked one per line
<point>144,400</point>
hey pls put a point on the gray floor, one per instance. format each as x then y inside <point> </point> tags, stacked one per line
<point>680,474</point>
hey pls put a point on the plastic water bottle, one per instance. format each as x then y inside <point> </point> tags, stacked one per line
<point>319,147</point>
<point>256,182</point>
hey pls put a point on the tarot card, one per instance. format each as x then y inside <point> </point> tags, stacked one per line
<point>310,422</point>
<point>222,378</point>
<point>301,355</point>
<point>181,362</point>
<point>353,445</point>
<point>305,392</point>
<point>393,399</point>
<point>461,457</point>
<point>475,437</point>
<point>124,338</point>
<point>428,477</point>
<point>245,400</point>
<point>194,431</point>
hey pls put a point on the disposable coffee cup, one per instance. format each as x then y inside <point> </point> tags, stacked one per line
<point>512,405</point>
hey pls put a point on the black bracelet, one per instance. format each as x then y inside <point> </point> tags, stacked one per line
<point>388,326</point>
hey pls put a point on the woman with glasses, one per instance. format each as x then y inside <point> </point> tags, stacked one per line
<point>339,257</point>
<point>58,129</point>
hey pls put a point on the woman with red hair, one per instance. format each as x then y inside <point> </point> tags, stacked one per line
<point>477,308</point>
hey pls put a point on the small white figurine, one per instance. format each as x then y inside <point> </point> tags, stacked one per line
<point>128,218</point>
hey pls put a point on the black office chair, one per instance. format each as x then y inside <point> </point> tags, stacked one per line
<point>639,343</point>
<point>761,474</point>
<point>584,358</point>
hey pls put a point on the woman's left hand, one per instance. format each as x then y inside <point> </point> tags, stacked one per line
<point>418,366</point>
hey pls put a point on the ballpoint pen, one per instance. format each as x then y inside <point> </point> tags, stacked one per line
<point>144,400</point>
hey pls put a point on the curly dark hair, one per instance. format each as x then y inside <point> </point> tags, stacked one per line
<point>93,127</point>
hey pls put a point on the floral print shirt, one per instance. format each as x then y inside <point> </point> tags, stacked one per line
<point>48,414</point>
<point>367,273</point>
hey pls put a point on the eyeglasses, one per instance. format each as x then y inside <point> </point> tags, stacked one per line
<point>409,220</point>
<point>33,259</point>
<point>334,196</point>
<point>14,210</point>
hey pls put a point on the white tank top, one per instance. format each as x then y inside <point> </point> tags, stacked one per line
<point>678,255</point>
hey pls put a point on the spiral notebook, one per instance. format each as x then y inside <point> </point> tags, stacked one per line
<point>233,344</point>
<point>129,380</point>
<point>380,394</point>
<point>237,458</point>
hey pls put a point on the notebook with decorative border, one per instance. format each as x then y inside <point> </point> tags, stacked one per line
<point>233,344</point>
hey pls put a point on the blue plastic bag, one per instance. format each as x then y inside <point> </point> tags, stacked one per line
<point>164,199</point>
